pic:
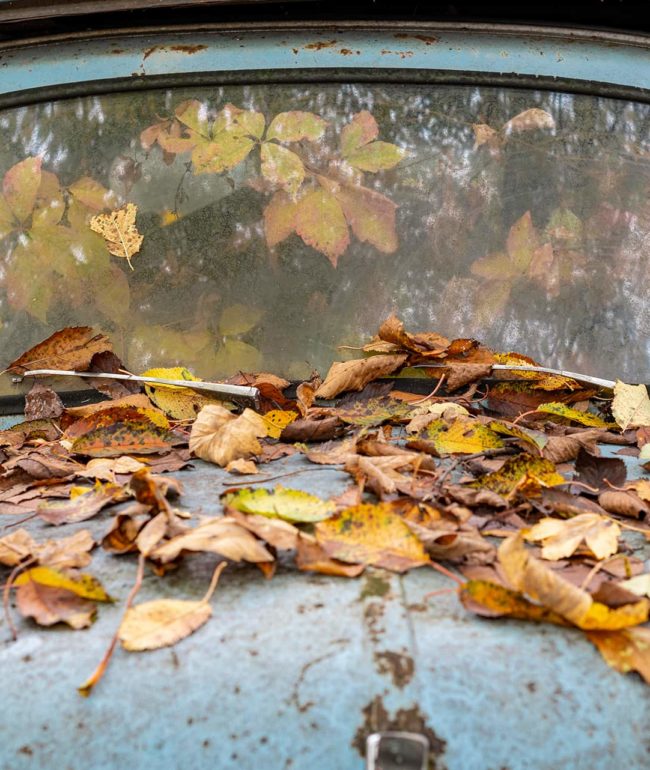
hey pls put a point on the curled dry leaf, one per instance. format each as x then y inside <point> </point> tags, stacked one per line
<point>310,557</point>
<point>42,403</point>
<point>221,437</point>
<point>119,231</point>
<point>277,533</point>
<point>83,585</point>
<point>631,405</point>
<point>70,348</point>
<point>161,623</point>
<point>561,538</point>
<point>322,428</point>
<point>84,503</point>
<point>356,374</point>
<point>243,467</point>
<point>222,535</point>
<point>68,552</point>
<point>626,504</point>
<point>533,578</point>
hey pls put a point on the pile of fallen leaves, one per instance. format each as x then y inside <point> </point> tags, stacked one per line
<point>495,479</point>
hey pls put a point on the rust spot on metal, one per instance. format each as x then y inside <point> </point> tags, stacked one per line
<point>117,50</point>
<point>348,52</point>
<point>319,45</point>
<point>377,719</point>
<point>426,39</point>
<point>149,51</point>
<point>399,666</point>
<point>189,49</point>
<point>401,54</point>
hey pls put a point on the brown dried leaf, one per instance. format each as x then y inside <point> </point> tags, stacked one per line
<point>70,348</point>
<point>561,538</point>
<point>311,557</point>
<point>219,436</point>
<point>42,403</point>
<point>625,650</point>
<point>322,428</point>
<point>626,504</point>
<point>48,605</point>
<point>356,374</point>
<point>82,506</point>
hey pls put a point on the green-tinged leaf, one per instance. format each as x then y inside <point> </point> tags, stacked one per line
<point>321,223</point>
<point>7,220</point>
<point>123,438</point>
<point>522,242</point>
<point>29,287</point>
<point>20,186</point>
<point>371,534</point>
<point>243,122</point>
<point>225,152</point>
<point>373,412</point>
<point>361,130</point>
<point>295,126</point>
<point>371,216</point>
<point>376,156</point>
<point>238,319</point>
<point>575,415</point>
<point>532,441</point>
<point>92,194</point>
<point>236,356</point>
<point>279,218</point>
<point>49,205</point>
<point>287,504</point>
<point>194,115</point>
<point>81,584</point>
<point>282,167</point>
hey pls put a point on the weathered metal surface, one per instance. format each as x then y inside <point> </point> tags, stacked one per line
<point>614,59</point>
<point>296,671</point>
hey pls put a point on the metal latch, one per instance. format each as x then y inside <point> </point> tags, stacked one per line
<point>396,751</point>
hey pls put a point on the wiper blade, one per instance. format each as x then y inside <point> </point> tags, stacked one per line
<point>584,378</point>
<point>220,390</point>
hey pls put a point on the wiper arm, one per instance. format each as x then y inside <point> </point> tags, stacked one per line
<point>585,378</point>
<point>224,392</point>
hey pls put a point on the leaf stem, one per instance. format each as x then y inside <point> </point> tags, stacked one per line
<point>213,582</point>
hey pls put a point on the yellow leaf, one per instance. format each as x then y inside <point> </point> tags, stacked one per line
<point>164,622</point>
<point>533,578</point>
<point>575,415</point>
<point>82,584</point>
<point>238,319</point>
<point>282,167</point>
<point>371,534</point>
<point>220,437</point>
<point>493,600</point>
<point>625,650</point>
<point>631,405</point>
<point>277,420</point>
<point>321,223</point>
<point>524,473</point>
<point>560,538</point>
<point>178,403</point>
<point>119,231</point>
<point>287,504</point>
<point>462,436</point>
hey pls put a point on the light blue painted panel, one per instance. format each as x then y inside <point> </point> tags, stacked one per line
<point>576,57</point>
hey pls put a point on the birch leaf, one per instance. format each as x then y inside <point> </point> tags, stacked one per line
<point>119,231</point>
<point>631,405</point>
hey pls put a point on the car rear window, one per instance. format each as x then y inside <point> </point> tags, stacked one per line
<point>266,226</point>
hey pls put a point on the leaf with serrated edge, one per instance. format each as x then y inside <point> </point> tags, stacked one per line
<point>295,125</point>
<point>321,223</point>
<point>119,230</point>
<point>70,348</point>
<point>631,405</point>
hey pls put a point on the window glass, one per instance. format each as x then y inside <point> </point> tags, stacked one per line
<point>269,225</point>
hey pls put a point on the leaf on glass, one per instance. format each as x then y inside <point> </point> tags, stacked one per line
<point>295,126</point>
<point>194,115</point>
<point>372,535</point>
<point>122,438</point>
<point>119,230</point>
<point>631,405</point>
<point>371,216</point>
<point>376,156</point>
<point>321,223</point>
<point>20,186</point>
<point>483,134</point>
<point>238,319</point>
<point>361,130</point>
<point>292,505</point>
<point>279,218</point>
<point>70,348</point>
<point>529,120</point>
<point>236,355</point>
<point>356,374</point>
<point>91,193</point>
<point>220,437</point>
<point>561,538</point>
<point>282,167</point>
<point>49,205</point>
